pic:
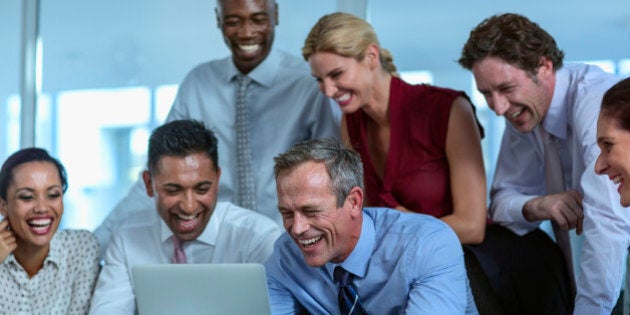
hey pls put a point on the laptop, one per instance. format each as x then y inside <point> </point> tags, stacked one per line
<point>201,289</point>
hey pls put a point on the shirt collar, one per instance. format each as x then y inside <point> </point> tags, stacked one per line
<point>209,234</point>
<point>555,121</point>
<point>358,261</point>
<point>54,256</point>
<point>264,74</point>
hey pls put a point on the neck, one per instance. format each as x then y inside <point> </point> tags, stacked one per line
<point>30,257</point>
<point>378,106</point>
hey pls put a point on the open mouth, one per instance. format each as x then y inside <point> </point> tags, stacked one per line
<point>308,243</point>
<point>514,114</point>
<point>187,223</point>
<point>250,50</point>
<point>40,226</point>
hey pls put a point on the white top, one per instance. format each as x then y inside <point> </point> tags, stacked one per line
<point>520,176</point>
<point>63,285</point>
<point>233,235</point>
<point>286,107</point>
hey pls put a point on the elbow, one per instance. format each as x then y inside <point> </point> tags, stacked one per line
<point>475,238</point>
<point>475,234</point>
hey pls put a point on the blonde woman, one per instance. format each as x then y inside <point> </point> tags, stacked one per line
<point>420,144</point>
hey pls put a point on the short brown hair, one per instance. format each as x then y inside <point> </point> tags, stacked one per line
<point>514,39</point>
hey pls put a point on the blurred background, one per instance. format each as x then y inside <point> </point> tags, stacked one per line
<point>106,72</point>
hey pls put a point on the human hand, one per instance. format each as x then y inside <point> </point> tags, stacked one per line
<point>565,209</point>
<point>7,240</point>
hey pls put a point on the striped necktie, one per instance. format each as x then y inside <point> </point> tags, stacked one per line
<point>348,297</point>
<point>179,256</point>
<point>245,170</point>
<point>554,182</point>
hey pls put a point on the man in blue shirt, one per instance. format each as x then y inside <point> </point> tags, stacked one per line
<point>397,262</point>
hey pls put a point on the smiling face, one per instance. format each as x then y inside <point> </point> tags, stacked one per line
<point>34,204</point>
<point>185,193</point>
<point>346,80</point>
<point>511,92</point>
<point>248,30</point>
<point>310,215</point>
<point>614,158</point>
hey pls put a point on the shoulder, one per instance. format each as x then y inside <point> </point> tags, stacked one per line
<point>78,245</point>
<point>425,97</point>
<point>409,227</point>
<point>244,221</point>
<point>207,70</point>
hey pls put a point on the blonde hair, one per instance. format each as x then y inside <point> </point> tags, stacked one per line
<point>345,35</point>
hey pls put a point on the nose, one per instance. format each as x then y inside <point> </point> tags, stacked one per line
<point>498,103</point>
<point>188,203</point>
<point>246,29</point>
<point>40,205</point>
<point>328,88</point>
<point>600,165</point>
<point>300,224</point>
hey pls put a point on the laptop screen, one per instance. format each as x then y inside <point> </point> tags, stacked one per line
<point>201,289</point>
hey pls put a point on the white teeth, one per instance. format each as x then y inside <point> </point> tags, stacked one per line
<point>342,98</point>
<point>514,115</point>
<point>40,222</point>
<point>249,48</point>
<point>617,179</point>
<point>309,241</point>
<point>186,217</point>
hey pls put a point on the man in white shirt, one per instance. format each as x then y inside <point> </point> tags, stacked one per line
<point>519,70</point>
<point>182,178</point>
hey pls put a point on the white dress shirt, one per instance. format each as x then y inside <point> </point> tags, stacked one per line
<point>520,176</point>
<point>233,235</point>
<point>63,285</point>
<point>285,106</point>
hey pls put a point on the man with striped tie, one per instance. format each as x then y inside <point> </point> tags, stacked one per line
<point>340,258</point>
<point>189,226</point>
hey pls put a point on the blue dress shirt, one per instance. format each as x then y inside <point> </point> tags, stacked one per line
<point>403,263</point>
<point>520,176</point>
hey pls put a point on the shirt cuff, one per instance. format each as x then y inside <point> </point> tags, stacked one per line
<point>513,218</point>
<point>584,309</point>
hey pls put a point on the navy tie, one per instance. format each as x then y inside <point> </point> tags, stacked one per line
<point>348,297</point>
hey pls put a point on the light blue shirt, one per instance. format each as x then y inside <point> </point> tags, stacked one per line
<point>403,263</point>
<point>520,176</point>
<point>285,106</point>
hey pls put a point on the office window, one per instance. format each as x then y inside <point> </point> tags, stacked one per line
<point>417,77</point>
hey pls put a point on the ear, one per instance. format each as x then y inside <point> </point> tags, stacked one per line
<point>218,14</point>
<point>3,208</point>
<point>218,173</point>
<point>148,183</point>
<point>354,201</point>
<point>372,55</point>
<point>545,68</point>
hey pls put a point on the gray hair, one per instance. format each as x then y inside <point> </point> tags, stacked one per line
<point>342,164</point>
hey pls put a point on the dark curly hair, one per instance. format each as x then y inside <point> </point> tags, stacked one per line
<point>514,39</point>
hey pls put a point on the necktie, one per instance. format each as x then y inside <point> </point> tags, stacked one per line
<point>246,186</point>
<point>554,182</point>
<point>348,297</point>
<point>179,256</point>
